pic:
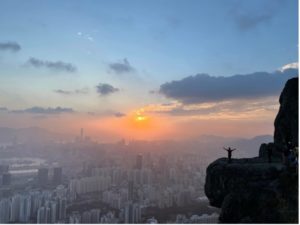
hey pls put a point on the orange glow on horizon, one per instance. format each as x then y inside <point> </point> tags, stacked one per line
<point>140,118</point>
<point>140,122</point>
<point>152,124</point>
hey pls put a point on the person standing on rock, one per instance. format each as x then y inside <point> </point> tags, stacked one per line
<point>229,151</point>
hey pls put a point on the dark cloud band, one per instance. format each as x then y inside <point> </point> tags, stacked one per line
<point>121,67</point>
<point>106,89</point>
<point>10,46</point>
<point>57,66</point>
<point>205,88</point>
<point>76,91</point>
<point>41,110</point>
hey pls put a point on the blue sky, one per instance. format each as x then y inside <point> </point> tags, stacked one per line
<point>160,41</point>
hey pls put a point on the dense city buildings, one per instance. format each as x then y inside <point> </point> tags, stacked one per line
<point>88,182</point>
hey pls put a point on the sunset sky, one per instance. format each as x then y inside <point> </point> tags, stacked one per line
<point>146,69</point>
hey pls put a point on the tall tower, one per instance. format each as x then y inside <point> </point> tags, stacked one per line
<point>139,161</point>
<point>81,134</point>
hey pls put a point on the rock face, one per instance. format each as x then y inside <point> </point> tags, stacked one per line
<point>286,122</point>
<point>251,190</point>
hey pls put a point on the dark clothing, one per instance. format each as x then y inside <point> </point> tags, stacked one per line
<point>229,155</point>
<point>229,151</point>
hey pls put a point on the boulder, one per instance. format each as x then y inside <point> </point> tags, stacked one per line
<point>251,190</point>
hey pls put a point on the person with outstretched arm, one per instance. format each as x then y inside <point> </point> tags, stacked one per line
<point>229,151</point>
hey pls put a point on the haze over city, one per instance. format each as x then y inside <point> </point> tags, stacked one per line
<point>161,111</point>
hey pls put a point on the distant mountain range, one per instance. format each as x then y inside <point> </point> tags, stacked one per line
<point>211,143</point>
<point>35,134</point>
<point>246,147</point>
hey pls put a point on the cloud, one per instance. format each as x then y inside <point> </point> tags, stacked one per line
<point>85,36</point>
<point>249,21</point>
<point>203,88</point>
<point>121,67</point>
<point>57,66</point>
<point>81,91</point>
<point>76,91</point>
<point>10,46</point>
<point>289,66</point>
<point>60,91</point>
<point>107,113</point>
<point>119,114</point>
<point>106,89</point>
<point>232,110</point>
<point>249,17</point>
<point>41,110</point>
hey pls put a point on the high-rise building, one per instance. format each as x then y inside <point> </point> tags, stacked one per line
<point>130,190</point>
<point>81,134</point>
<point>54,211</point>
<point>15,208</point>
<point>75,218</point>
<point>48,215</point>
<point>139,162</point>
<point>42,176</point>
<point>25,208</point>
<point>86,217</point>
<point>41,215</point>
<point>5,210</point>
<point>62,209</point>
<point>95,215</point>
<point>57,175</point>
<point>132,213</point>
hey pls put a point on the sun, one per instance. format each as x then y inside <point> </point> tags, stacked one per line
<point>141,121</point>
<point>140,118</point>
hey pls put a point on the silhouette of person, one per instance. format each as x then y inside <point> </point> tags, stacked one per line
<point>269,150</point>
<point>229,151</point>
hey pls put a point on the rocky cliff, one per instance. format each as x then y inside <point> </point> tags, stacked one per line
<point>286,122</point>
<point>251,190</point>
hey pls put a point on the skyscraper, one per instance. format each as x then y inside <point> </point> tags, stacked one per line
<point>62,209</point>
<point>15,208</point>
<point>81,134</point>
<point>54,210</point>
<point>130,190</point>
<point>25,208</point>
<point>5,210</point>
<point>139,161</point>
<point>95,215</point>
<point>42,176</point>
<point>41,215</point>
<point>132,213</point>
<point>57,175</point>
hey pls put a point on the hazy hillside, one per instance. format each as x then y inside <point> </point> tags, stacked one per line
<point>34,134</point>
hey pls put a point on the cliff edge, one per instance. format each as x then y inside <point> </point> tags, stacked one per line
<point>251,190</point>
